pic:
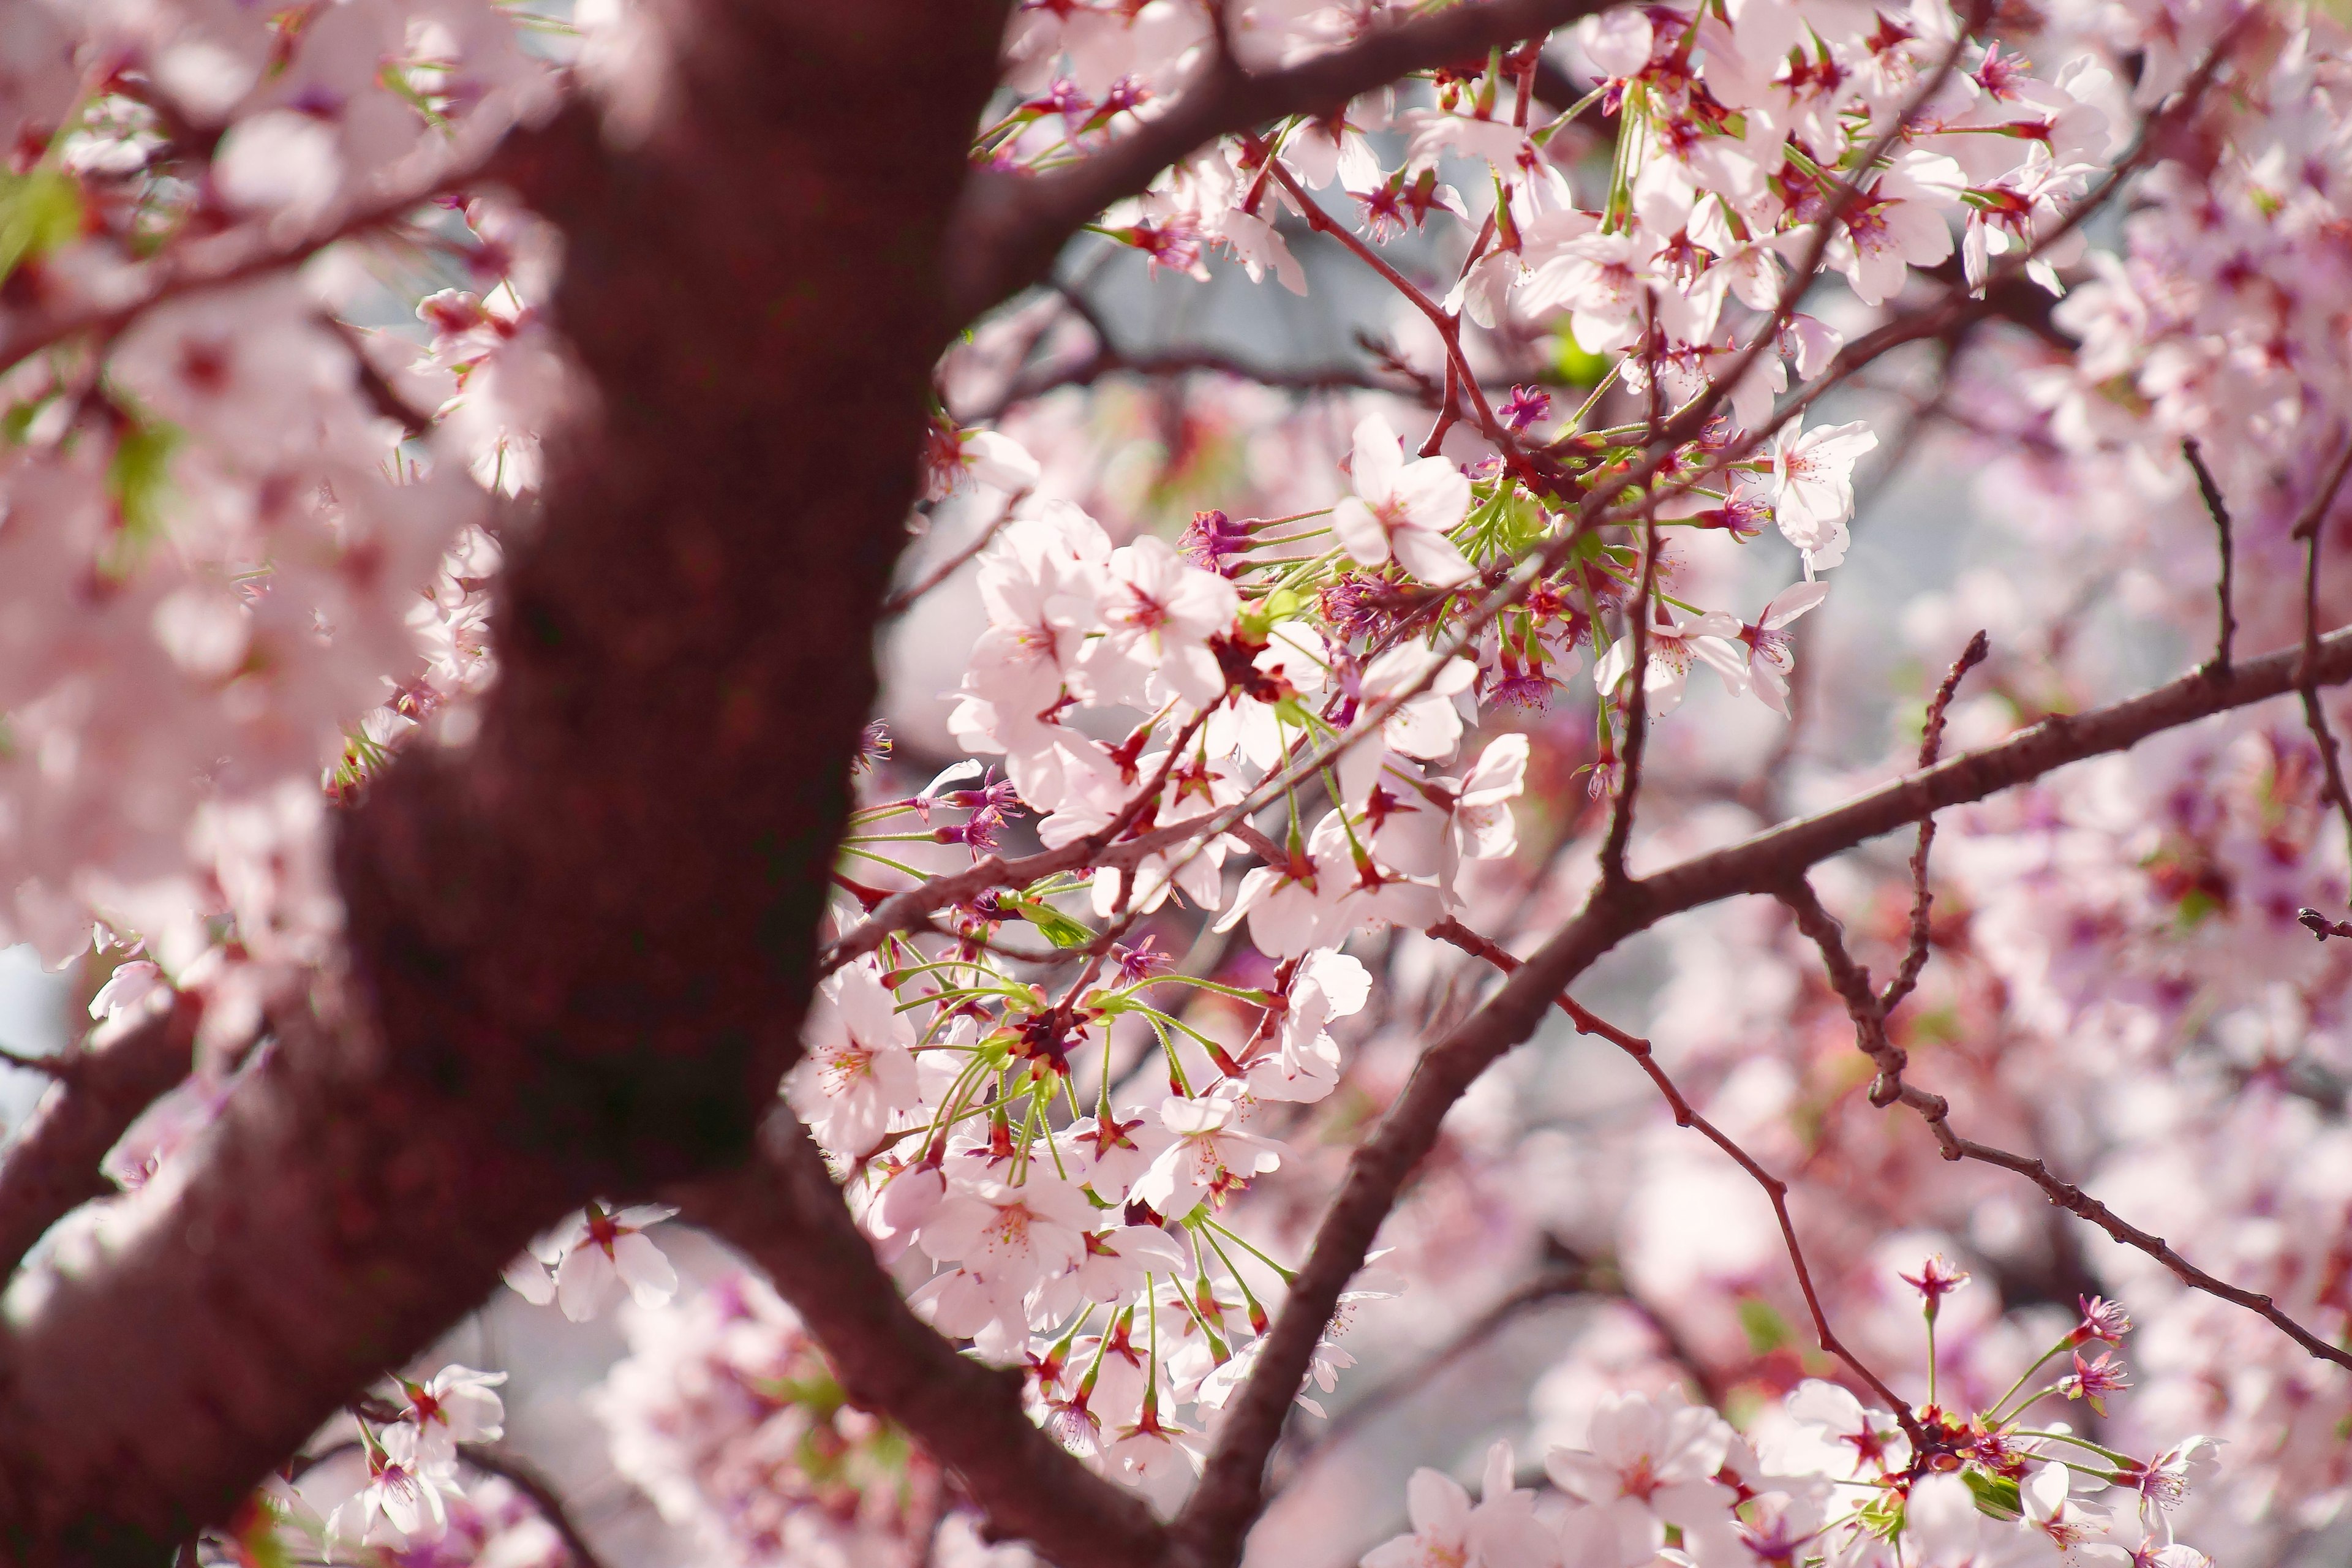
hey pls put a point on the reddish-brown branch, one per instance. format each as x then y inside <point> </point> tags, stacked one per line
<point>51,1166</point>
<point>902,598</point>
<point>1108,361</point>
<point>1923,902</point>
<point>1009,227</point>
<point>784,1212</point>
<point>1229,1493</point>
<point>1460,379</point>
<point>1634,742</point>
<point>526,1479</point>
<point>580,948</point>
<point>1686,1115</point>
<point>222,261</point>
<point>2210,489</point>
<point>2307,529</point>
<point>1852,983</point>
<point>2075,1201</point>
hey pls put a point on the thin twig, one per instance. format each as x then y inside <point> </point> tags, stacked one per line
<point>526,1479</point>
<point>2219,509</point>
<point>1935,1112</point>
<point>899,602</point>
<point>1853,983</point>
<point>1009,227</point>
<point>1931,744</point>
<point>1545,1288</point>
<point>2307,529</point>
<point>1636,714</point>
<point>1686,1115</point>
<point>57,1067</point>
<point>221,262</point>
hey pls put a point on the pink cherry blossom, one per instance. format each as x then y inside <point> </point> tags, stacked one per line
<point>1402,510</point>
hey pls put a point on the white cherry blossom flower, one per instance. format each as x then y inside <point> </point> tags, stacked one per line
<point>1813,473</point>
<point>858,1068</point>
<point>1210,1151</point>
<point>1427,724</point>
<point>1160,612</point>
<point>1769,660</point>
<point>1604,281</point>
<point>457,1404</point>
<point>133,983</point>
<point>1671,645</point>
<point>1016,1235</point>
<point>583,1265</point>
<point>1651,1464</point>
<point>1500,1531</point>
<point>1402,510</point>
<point>403,1503</point>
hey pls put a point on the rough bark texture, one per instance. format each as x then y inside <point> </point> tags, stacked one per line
<point>584,947</point>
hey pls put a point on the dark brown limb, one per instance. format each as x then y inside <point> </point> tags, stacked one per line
<point>579,949</point>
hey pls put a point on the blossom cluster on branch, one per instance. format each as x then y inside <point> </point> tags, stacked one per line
<point>1151,968</point>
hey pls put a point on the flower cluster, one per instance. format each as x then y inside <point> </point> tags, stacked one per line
<point>1822,1479</point>
<point>232,515</point>
<point>726,1415</point>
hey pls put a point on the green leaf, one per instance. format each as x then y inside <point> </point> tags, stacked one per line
<point>1996,1495</point>
<point>38,213</point>
<point>1577,365</point>
<point>1767,1329</point>
<point>1522,523</point>
<point>1058,928</point>
<point>138,480</point>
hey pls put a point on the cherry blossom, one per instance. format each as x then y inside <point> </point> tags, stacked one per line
<point>859,1068</point>
<point>1500,1531</point>
<point>455,1405</point>
<point>1812,495</point>
<point>583,1266</point>
<point>1651,1464</point>
<point>1402,510</point>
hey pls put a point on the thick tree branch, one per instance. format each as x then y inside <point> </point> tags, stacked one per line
<point>51,1166</point>
<point>785,1214</point>
<point>1008,227</point>
<point>581,949</point>
<point>1231,1490</point>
